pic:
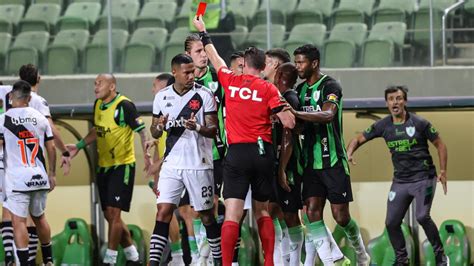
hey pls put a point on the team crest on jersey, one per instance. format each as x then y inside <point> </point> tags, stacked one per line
<point>213,86</point>
<point>410,131</point>
<point>391,195</point>
<point>194,105</point>
<point>316,95</point>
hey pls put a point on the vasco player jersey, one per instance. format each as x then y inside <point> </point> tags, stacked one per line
<point>250,101</point>
<point>185,149</point>
<point>24,132</point>
<point>408,145</point>
<point>37,102</point>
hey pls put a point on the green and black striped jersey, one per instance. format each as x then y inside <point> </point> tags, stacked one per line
<point>210,81</point>
<point>323,144</point>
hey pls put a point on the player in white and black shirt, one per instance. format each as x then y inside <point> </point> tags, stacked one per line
<point>187,111</point>
<point>25,133</point>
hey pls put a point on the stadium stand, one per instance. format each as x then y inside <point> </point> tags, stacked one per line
<point>280,11</point>
<point>299,36</point>
<point>342,45</point>
<point>27,47</point>
<point>80,16</point>
<point>40,17</point>
<point>124,13</point>
<point>312,11</point>
<point>10,16</point>
<point>157,14</point>
<point>96,56</point>
<point>74,245</point>
<point>385,39</point>
<point>5,40</point>
<point>65,53</point>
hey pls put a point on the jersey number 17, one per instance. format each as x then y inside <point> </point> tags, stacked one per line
<point>34,152</point>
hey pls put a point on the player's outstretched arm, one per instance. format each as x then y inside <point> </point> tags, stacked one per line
<point>285,155</point>
<point>51,151</point>
<point>443,162</point>
<point>88,139</point>
<point>58,142</point>
<point>325,116</point>
<point>146,155</point>
<point>211,51</point>
<point>354,144</point>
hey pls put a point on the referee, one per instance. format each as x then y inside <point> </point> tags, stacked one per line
<point>250,101</point>
<point>407,135</point>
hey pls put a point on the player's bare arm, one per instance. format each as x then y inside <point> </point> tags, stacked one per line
<point>285,155</point>
<point>287,118</point>
<point>88,139</point>
<point>51,151</point>
<point>326,115</point>
<point>58,141</point>
<point>146,155</point>
<point>443,162</point>
<point>354,144</point>
<point>211,51</point>
<point>158,126</point>
<point>208,130</point>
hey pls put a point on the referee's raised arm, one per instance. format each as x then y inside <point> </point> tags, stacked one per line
<point>211,51</point>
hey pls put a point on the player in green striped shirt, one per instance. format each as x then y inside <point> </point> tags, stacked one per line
<point>326,174</point>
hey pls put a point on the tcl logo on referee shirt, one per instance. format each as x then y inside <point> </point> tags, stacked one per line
<point>244,93</point>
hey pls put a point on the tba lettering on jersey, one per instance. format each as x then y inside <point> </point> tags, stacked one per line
<point>36,181</point>
<point>244,94</point>
<point>311,108</point>
<point>401,145</point>
<point>24,120</point>
<point>102,131</point>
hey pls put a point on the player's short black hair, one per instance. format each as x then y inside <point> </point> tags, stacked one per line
<point>1,82</point>
<point>254,58</point>
<point>309,51</point>
<point>235,55</point>
<point>289,70</point>
<point>395,88</point>
<point>166,77</point>
<point>189,40</point>
<point>181,59</point>
<point>29,73</point>
<point>21,89</point>
<point>280,54</point>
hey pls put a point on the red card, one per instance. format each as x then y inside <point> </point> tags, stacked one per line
<point>201,9</point>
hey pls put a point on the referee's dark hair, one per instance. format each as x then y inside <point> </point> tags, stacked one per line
<point>166,77</point>
<point>21,90</point>
<point>395,88</point>
<point>29,73</point>
<point>281,54</point>
<point>189,40</point>
<point>181,59</point>
<point>309,51</point>
<point>254,58</point>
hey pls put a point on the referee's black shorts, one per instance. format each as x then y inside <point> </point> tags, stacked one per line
<point>244,167</point>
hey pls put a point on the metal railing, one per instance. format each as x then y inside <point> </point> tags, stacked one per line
<point>443,26</point>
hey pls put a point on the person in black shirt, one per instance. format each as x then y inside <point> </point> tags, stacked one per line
<point>406,136</point>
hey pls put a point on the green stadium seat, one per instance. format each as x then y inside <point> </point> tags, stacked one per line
<point>28,47</point>
<point>40,17</point>
<point>352,11</point>
<point>340,50</point>
<point>182,19</point>
<point>5,41</point>
<point>80,16</point>
<point>455,242</point>
<point>174,46</point>
<point>179,34</point>
<point>381,251</point>
<point>86,1</point>
<point>74,245</point>
<point>10,15</point>
<point>161,1</point>
<point>299,36</point>
<point>239,35</point>
<point>96,55</point>
<point>280,11</point>
<point>469,7</point>
<point>393,10</point>
<point>258,36</point>
<point>124,13</point>
<point>156,14</point>
<point>13,2</point>
<point>379,48</point>
<point>312,11</point>
<point>57,2</point>
<point>244,11</point>
<point>140,53</point>
<point>421,35</point>
<point>63,55</point>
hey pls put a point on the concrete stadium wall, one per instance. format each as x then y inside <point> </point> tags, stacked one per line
<point>356,83</point>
